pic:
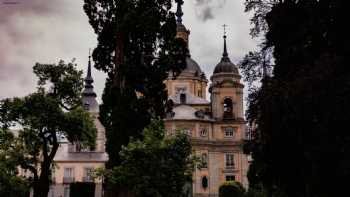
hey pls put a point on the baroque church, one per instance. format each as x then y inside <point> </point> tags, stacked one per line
<point>216,126</point>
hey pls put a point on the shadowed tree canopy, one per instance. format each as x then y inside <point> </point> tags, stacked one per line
<point>157,166</point>
<point>39,119</point>
<point>136,48</point>
<point>300,113</point>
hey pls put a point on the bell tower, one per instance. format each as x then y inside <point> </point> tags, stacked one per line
<point>181,31</point>
<point>226,89</point>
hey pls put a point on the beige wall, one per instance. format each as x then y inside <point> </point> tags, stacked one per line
<point>219,95</point>
<point>193,87</point>
<point>79,170</point>
<point>216,171</point>
<point>220,133</point>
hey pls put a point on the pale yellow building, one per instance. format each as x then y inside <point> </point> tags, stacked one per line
<point>74,164</point>
<point>217,127</point>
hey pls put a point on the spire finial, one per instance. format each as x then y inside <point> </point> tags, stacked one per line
<point>225,54</point>
<point>89,95</point>
<point>179,12</point>
<point>89,88</point>
<point>89,66</point>
<point>225,29</point>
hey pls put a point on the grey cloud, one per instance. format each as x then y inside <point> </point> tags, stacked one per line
<point>207,14</point>
<point>16,31</point>
<point>206,8</point>
<point>46,30</point>
<point>39,31</point>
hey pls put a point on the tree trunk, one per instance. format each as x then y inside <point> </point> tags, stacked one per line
<point>42,185</point>
<point>41,188</point>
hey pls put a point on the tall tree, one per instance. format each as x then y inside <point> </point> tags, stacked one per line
<point>136,48</point>
<point>42,117</point>
<point>300,111</point>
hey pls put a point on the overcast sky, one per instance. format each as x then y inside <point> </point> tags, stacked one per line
<point>48,30</point>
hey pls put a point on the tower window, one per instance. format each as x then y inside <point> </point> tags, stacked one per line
<point>182,98</point>
<point>228,105</point>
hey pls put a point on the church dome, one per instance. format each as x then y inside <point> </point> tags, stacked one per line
<point>192,67</point>
<point>225,66</point>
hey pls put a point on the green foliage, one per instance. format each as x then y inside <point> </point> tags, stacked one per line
<point>136,48</point>
<point>231,189</point>
<point>300,111</point>
<point>155,166</point>
<point>54,110</point>
<point>82,189</point>
<point>11,185</point>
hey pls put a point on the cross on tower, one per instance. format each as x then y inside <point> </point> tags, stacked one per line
<point>225,29</point>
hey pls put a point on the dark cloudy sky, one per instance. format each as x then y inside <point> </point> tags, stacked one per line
<point>48,30</point>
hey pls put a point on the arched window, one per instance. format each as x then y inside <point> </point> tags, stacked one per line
<point>228,105</point>
<point>183,98</point>
<point>228,109</point>
<point>204,182</point>
<point>200,93</point>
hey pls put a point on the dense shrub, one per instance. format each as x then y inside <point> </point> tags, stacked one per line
<point>231,189</point>
<point>80,189</point>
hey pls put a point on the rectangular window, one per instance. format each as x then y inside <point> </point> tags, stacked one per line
<point>203,132</point>
<point>230,178</point>
<point>88,174</point>
<point>68,172</point>
<point>66,191</point>
<point>229,131</point>
<point>230,161</point>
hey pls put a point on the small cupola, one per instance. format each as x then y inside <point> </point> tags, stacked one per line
<point>225,65</point>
